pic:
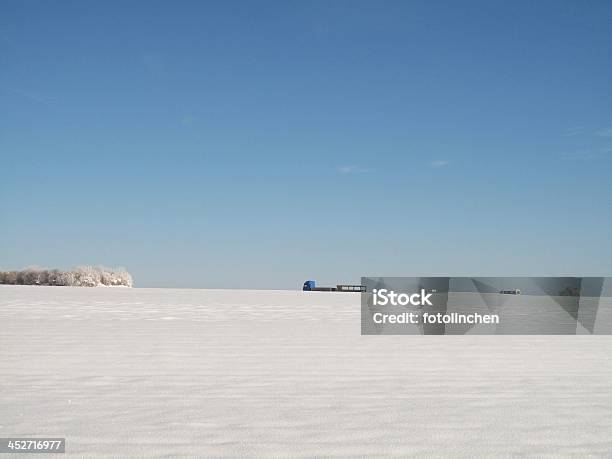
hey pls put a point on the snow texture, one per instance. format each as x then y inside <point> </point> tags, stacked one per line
<point>222,373</point>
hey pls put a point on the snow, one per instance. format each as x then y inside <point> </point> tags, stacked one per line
<point>195,373</point>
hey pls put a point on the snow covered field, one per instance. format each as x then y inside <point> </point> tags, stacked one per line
<point>186,373</point>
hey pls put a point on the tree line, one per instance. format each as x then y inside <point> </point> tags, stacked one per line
<point>82,276</point>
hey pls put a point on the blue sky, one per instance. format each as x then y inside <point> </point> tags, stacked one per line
<point>258,144</point>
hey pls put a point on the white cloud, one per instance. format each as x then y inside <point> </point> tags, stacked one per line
<point>187,120</point>
<point>351,169</point>
<point>439,163</point>
<point>34,96</point>
<point>588,154</point>
<point>577,130</point>
<point>605,132</point>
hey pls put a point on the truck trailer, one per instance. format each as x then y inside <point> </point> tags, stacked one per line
<point>310,286</point>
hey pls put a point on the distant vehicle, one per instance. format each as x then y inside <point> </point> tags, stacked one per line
<point>514,291</point>
<point>310,286</point>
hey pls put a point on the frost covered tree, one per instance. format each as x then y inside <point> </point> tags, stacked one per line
<point>87,276</point>
<point>82,276</point>
<point>9,277</point>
